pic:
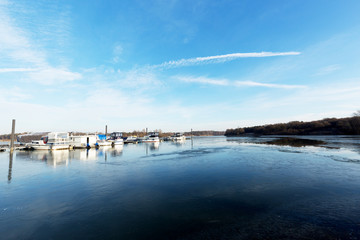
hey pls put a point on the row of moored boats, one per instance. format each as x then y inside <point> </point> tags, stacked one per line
<point>63,140</point>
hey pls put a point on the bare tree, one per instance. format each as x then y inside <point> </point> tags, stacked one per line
<point>357,113</point>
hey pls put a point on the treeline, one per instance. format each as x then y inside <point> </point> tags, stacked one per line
<point>205,133</point>
<point>328,126</point>
<point>167,134</point>
<point>7,137</point>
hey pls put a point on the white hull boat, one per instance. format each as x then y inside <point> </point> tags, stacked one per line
<point>152,138</point>
<point>87,141</point>
<point>178,137</point>
<point>53,141</point>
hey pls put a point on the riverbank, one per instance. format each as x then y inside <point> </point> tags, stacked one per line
<point>328,126</point>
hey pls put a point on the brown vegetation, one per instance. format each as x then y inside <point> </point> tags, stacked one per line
<point>328,126</point>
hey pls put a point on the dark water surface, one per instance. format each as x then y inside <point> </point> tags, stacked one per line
<point>208,188</point>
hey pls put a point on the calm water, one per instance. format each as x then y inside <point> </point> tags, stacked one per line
<point>208,188</point>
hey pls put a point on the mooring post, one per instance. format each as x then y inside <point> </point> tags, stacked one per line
<point>192,143</point>
<point>105,131</point>
<point>12,136</point>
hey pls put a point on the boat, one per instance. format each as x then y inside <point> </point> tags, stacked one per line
<point>101,141</point>
<point>38,144</point>
<point>116,139</point>
<point>152,137</point>
<point>178,137</point>
<point>58,140</point>
<point>87,141</point>
<point>131,139</point>
<point>53,141</point>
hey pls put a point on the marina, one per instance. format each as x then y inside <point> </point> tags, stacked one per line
<point>180,120</point>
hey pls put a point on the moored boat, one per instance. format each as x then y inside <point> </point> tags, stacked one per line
<point>131,139</point>
<point>86,141</point>
<point>101,141</point>
<point>116,139</point>
<point>152,137</point>
<point>178,137</point>
<point>53,141</point>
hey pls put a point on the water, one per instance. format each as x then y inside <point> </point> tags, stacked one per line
<point>208,188</point>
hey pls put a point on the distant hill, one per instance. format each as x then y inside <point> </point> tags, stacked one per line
<point>328,126</point>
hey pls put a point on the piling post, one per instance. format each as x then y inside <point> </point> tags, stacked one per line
<point>12,136</point>
<point>192,143</point>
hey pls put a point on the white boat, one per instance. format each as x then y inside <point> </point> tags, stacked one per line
<point>116,139</point>
<point>53,141</point>
<point>38,144</point>
<point>152,137</point>
<point>102,142</point>
<point>131,139</point>
<point>178,137</point>
<point>87,141</point>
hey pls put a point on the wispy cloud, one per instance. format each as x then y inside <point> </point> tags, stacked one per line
<point>203,80</point>
<point>225,82</point>
<point>221,58</point>
<point>51,76</point>
<point>328,69</point>
<point>117,51</point>
<point>19,48</point>
<point>267,85</point>
<point>14,94</point>
<point>7,70</point>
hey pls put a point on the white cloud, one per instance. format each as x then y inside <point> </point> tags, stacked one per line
<point>224,82</point>
<point>320,100</point>
<point>15,44</point>
<point>117,51</point>
<point>140,78</point>
<point>14,94</point>
<point>203,80</point>
<point>53,76</point>
<point>7,70</point>
<point>221,58</point>
<point>267,85</point>
<point>18,48</point>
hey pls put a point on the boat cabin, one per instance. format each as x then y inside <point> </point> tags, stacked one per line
<point>116,135</point>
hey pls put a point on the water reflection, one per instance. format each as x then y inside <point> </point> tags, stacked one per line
<point>117,150</point>
<point>178,143</point>
<point>52,158</point>
<point>10,167</point>
<point>151,146</point>
<point>84,154</point>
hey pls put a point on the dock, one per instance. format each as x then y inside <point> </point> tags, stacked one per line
<point>4,148</point>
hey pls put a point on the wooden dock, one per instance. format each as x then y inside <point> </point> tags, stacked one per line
<point>4,148</point>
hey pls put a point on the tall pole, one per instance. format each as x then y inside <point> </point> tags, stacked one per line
<point>192,143</point>
<point>105,130</point>
<point>12,136</point>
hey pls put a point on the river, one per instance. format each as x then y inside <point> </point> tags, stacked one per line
<point>205,188</point>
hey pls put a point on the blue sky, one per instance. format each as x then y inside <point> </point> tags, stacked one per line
<point>177,64</point>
